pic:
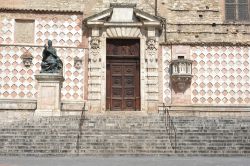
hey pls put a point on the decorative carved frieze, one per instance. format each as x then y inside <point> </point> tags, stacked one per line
<point>151,51</point>
<point>94,69</point>
<point>182,67</point>
<point>152,69</point>
<point>94,49</point>
<point>123,32</point>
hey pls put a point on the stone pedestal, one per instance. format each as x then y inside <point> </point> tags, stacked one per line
<point>49,94</point>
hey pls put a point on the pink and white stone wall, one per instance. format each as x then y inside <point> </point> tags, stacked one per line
<point>18,81</point>
<point>220,75</point>
<point>166,61</point>
<point>63,30</point>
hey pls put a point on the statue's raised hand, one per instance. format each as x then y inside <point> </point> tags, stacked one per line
<point>45,47</point>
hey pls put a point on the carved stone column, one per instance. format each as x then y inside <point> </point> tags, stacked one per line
<point>49,94</point>
<point>94,75</point>
<point>152,74</point>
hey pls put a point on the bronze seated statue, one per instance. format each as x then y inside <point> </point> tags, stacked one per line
<point>51,63</point>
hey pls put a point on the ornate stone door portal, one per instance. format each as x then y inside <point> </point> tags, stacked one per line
<point>123,75</point>
<point>123,60</point>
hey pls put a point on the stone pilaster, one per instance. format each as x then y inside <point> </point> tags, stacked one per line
<point>94,74</point>
<point>152,89</point>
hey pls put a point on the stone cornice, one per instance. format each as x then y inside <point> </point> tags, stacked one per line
<point>36,45</point>
<point>210,24</point>
<point>123,5</point>
<point>40,11</point>
<point>206,43</point>
<point>192,108</point>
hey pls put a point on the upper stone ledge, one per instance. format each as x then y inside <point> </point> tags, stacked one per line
<point>123,5</point>
<point>198,43</point>
<point>39,10</point>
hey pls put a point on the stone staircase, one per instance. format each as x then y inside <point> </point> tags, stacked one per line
<point>126,135</point>
<point>224,136</point>
<point>94,135</point>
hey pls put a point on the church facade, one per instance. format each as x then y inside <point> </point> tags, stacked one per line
<point>132,56</point>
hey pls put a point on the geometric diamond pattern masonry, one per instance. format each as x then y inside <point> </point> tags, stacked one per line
<point>62,32</point>
<point>7,31</point>
<point>73,86</point>
<point>18,81</point>
<point>221,75</point>
<point>166,60</point>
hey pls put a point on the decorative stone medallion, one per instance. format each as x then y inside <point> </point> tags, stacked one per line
<point>77,63</point>
<point>151,44</point>
<point>95,43</point>
<point>27,59</point>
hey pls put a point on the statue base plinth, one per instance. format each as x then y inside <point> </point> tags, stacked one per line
<point>49,94</point>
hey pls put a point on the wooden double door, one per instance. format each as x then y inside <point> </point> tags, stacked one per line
<point>123,79</point>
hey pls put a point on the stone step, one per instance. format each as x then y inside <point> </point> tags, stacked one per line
<point>65,134</point>
<point>100,135</point>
